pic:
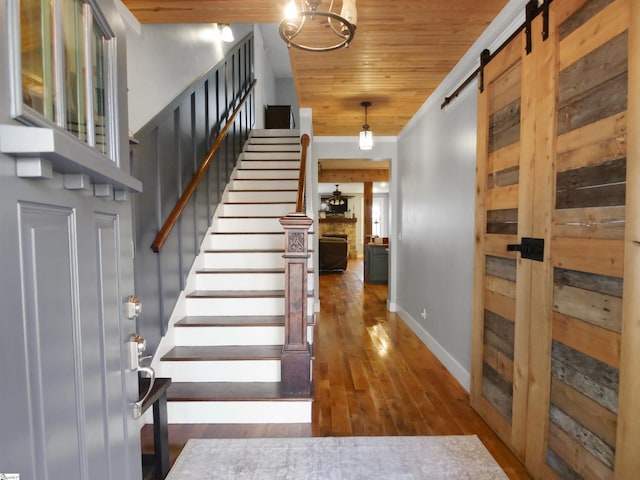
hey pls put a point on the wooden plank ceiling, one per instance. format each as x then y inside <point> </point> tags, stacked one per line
<point>400,53</point>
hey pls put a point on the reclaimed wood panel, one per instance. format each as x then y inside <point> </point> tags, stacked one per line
<point>502,198</point>
<point>592,307</point>
<point>601,343</point>
<point>593,378</point>
<point>503,221</point>
<point>497,360</point>
<point>501,286</point>
<point>496,244</point>
<point>604,257</point>
<point>587,412</point>
<point>503,306</point>
<point>588,281</point>
<point>501,267</point>
<point>600,185</point>
<point>575,458</point>
<point>504,158</point>
<point>581,16</point>
<point>506,88</point>
<point>504,177</point>
<point>504,126</point>
<point>606,24</point>
<point>597,142</point>
<point>596,222</point>
<point>498,391</point>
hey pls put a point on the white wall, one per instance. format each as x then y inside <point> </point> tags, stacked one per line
<point>163,60</point>
<point>266,86</point>
<point>286,95</point>
<point>435,205</point>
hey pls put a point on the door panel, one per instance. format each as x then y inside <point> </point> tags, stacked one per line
<point>52,330</point>
<point>494,387</point>
<point>587,244</point>
<point>66,393</point>
<point>552,332</point>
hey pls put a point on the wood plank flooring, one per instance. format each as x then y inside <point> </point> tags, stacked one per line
<point>373,376</point>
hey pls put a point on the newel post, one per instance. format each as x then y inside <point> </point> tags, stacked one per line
<point>296,353</point>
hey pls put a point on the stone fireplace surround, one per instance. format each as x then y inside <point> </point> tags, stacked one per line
<point>340,225</point>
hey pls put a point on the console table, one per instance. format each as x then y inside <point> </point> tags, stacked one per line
<point>159,461</point>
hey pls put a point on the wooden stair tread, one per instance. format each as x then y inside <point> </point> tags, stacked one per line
<point>227,391</point>
<point>269,169</point>
<point>226,352</point>
<point>266,191</point>
<point>239,294</point>
<point>259,203</point>
<point>231,321</point>
<point>269,179</point>
<point>251,271</point>
<point>254,250</point>
<point>236,321</point>
<point>248,217</point>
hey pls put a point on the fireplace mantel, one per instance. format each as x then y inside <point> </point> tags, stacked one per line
<point>338,220</point>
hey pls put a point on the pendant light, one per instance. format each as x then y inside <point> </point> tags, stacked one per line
<point>366,135</point>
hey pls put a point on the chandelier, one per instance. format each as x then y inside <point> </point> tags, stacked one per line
<point>366,135</point>
<point>336,198</point>
<point>309,28</point>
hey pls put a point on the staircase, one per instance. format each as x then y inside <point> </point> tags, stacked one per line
<point>226,335</point>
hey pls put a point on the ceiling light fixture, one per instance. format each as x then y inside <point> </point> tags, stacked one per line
<point>336,198</point>
<point>226,34</point>
<point>308,28</point>
<point>366,135</point>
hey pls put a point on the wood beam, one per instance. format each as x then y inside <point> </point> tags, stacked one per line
<point>353,175</point>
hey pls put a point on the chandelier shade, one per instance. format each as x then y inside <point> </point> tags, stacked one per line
<point>308,27</point>
<point>366,135</point>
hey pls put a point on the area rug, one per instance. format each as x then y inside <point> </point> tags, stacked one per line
<point>337,458</point>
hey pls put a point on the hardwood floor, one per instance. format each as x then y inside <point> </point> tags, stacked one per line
<point>372,376</point>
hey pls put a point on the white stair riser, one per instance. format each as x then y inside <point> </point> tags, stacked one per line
<point>257,209</point>
<point>233,306</point>
<point>267,185</point>
<point>246,260</point>
<point>264,196</point>
<point>270,156</point>
<point>226,335</point>
<point>269,164</point>
<point>264,173</point>
<point>273,147</point>
<point>218,336</point>
<point>225,224</point>
<point>244,241</point>
<point>279,133</point>
<point>223,371</point>
<point>244,281</point>
<point>239,412</point>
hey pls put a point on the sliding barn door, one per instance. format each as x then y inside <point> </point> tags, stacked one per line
<point>550,370</point>
<point>498,390</point>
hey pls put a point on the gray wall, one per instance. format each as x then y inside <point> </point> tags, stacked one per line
<point>435,208</point>
<point>163,60</point>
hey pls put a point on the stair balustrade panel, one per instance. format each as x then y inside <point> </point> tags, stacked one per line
<point>170,148</point>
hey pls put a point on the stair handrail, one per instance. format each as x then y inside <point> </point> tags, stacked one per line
<point>304,141</point>
<point>173,217</point>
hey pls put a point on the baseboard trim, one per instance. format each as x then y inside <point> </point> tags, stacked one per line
<point>451,364</point>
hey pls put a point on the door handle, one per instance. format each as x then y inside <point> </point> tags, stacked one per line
<point>531,248</point>
<point>136,346</point>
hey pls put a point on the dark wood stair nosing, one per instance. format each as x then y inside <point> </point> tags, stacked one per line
<point>240,294</point>
<point>236,321</point>
<point>228,392</point>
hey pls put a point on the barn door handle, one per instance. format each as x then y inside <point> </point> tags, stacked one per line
<point>531,248</point>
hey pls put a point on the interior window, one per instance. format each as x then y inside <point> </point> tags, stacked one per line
<point>65,68</point>
<point>37,57</point>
